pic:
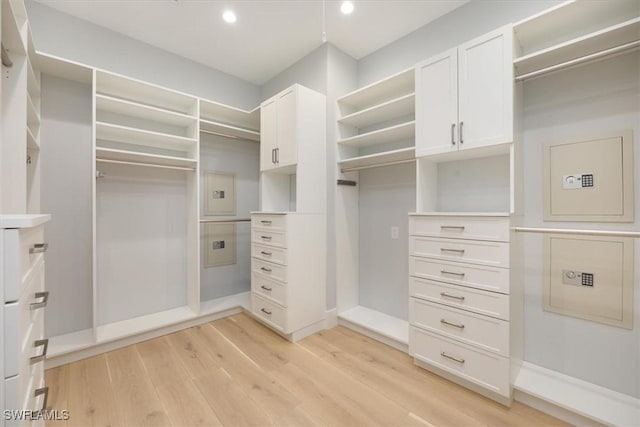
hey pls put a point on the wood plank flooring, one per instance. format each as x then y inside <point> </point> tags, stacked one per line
<point>236,372</point>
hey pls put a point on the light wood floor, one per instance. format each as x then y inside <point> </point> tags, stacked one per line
<point>236,372</point>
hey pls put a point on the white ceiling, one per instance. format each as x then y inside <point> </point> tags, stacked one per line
<point>269,36</point>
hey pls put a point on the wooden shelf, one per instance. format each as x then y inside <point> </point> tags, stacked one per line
<point>391,87</point>
<point>127,135</point>
<point>33,83</point>
<point>398,107</point>
<point>380,323</point>
<point>32,141</point>
<point>616,35</point>
<point>228,130</point>
<point>138,157</point>
<point>570,20</point>
<point>133,109</point>
<point>400,155</point>
<point>382,136</point>
<point>225,114</point>
<point>144,93</point>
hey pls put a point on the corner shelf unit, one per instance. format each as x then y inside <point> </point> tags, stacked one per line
<point>574,33</point>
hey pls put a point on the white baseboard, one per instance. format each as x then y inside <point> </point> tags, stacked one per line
<point>331,318</point>
<point>554,410</point>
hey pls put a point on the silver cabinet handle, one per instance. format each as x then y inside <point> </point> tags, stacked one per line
<point>266,221</point>
<point>278,155</point>
<point>45,346</point>
<point>265,237</point>
<point>461,139</point>
<point>45,297</point>
<point>452,227</point>
<point>455,359</point>
<point>452,273</point>
<point>268,270</point>
<point>453,132</point>
<point>459,251</point>
<point>266,253</point>
<point>38,248</point>
<point>267,312</point>
<point>42,391</point>
<point>273,156</point>
<point>455,325</point>
<point>265,288</point>
<point>446,295</point>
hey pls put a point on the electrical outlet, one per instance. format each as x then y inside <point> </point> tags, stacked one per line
<point>395,232</point>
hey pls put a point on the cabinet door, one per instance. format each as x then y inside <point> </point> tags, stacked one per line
<point>436,104</point>
<point>287,128</point>
<point>268,134</point>
<point>485,78</point>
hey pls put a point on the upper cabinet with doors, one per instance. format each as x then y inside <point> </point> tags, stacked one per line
<point>282,119</point>
<point>464,97</point>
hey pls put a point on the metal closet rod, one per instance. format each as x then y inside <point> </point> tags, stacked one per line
<point>377,165</point>
<point>583,59</point>
<point>225,221</point>
<point>149,165</point>
<point>541,230</point>
<point>225,135</point>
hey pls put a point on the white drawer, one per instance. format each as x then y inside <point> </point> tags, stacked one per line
<point>270,270</point>
<point>269,237</point>
<point>269,253</point>
<point>270,312</point>
<point>461,227</point>
<point>485,332</point>
<point>492,279</point>
<point>488,370</point>
<point>273,222</point>
<point>495,254</point>
<point>269,289</point>
<point>20,253</point>
<point>488,303</point>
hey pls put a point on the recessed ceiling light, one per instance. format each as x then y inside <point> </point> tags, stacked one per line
<point>347,7</point>
<point>229,16</point>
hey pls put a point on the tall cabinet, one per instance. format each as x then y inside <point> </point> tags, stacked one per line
<point>288,235</point>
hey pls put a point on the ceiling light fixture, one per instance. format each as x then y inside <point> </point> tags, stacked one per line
<point>229,16</point>
<point>347,7</point>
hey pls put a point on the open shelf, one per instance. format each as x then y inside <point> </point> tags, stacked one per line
<point>395,108</point>
<point>225,114</point>
<point>138,157</point>
<point>11,34</point>
<point>33,84</point>
<point>380,323</point>
<point>391,87</point>
<point>241,300</point>
<point>144,93</point>
<point>228,130</point>
<point>599,41</point>
<point>33,117</point>
<point>399,132</point>
<point>133,109</point>
<point>128,135</point>
<point>32,141</point>
<point>138,325</point>
<point>392,156</point>
<point>59,67</point>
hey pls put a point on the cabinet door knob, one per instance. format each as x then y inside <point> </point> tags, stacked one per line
<point>267,312</point>
<point>266,288</point>
<point>268,270</point>
<point>45,346</point>
<point>42,391</point>
<point>38,248</point>
<point>265,237</point>
<point>266,253</point>
<point>45,297</point>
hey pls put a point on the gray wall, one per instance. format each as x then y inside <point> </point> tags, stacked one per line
<point>65,159</point>
<point>62,35</point>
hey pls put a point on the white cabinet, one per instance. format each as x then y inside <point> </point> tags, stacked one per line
<point>464,97</point>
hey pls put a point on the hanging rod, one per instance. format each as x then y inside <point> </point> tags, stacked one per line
<point>6,60</point>
<point>210,132</point>
<point>574,62</point>
<point>578,232</point>
<point>377,165</point>
<point>225,221</point>
<point>124,162</point>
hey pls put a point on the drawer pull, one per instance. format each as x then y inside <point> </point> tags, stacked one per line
<point>45,297</point>
<point>455,325</point>
<point>265,288</point>
<point>42,391</point>
<point>265,237</point>
<point>458,251</point>
<point>268,270</point>
<point>45,345</point>
<point>266,221</point>
<point>455,359</point>
<point>266,253</point>
<point>446,295</point>
<point>265,311</point>
<point>38,248</point>
<point>453,273</point>
<point>452,227</point>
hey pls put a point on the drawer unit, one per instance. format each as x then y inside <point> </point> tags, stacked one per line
<point>270,270</point>
<point>269,289</point>
<point>484,332</point>
<point>269,253</point>
<point>461,227</point>
<point>270,312</point>
<point>269,237</point>
<point>475,276</point>
<point>482,302</point>
<point>471,251</point>
<point>22,248</point>
<point>488,370</point>
<point>270,222</point>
